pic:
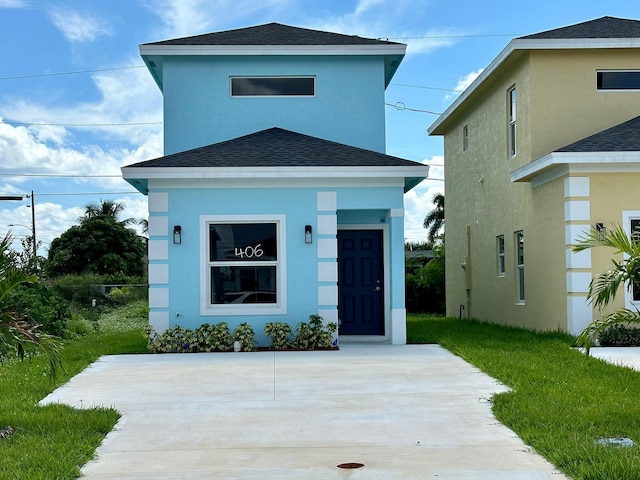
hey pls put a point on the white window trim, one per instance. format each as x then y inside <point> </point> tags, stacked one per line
<point>627,216</point>
<point>280,308</point>
<point>512,115</point>
<point>519,270</point>
<point>616,89</point>
<point>315,86</point>
<point>501,256</point>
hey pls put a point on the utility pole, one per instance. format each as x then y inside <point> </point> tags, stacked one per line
<point>33,226</point>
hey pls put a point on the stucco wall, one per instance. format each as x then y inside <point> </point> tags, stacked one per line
<point>307,284</point>
<point>348,106</point>
<point>566,105</point>
<point>557,104</point>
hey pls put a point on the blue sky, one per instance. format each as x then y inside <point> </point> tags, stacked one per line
<point>76,103</point>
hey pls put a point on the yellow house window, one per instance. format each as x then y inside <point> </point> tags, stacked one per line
<point>520,266</point>
<point>465,137</point>
<point>512,121</point>
<point>500,249</point>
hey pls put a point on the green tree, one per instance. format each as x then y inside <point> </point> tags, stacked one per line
<point>100,244</point>
<point>425,283</point>
<point>605,286</point>
<point>434,221</point>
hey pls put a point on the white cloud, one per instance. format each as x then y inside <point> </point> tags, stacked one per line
<point>419,201</point>
<point>14,3</point>
<point>192,17</point>
<point>365,5</point>
<point>464,82</point>
<point>78,27</point>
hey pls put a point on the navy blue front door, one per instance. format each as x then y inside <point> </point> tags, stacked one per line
<point>360,282</point>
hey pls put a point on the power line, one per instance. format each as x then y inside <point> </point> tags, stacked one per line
<point>57,175</point>
<point>9,122</point>
<point>76,72</point>
<point>426,88</point>
<point>401,106</point>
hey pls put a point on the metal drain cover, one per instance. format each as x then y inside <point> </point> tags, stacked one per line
<point>351,465</point>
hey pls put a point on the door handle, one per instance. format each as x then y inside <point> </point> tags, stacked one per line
<point>377,289</point>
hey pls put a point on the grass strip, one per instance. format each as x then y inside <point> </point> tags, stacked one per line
<point>54,441</point>
<point>560,402</point>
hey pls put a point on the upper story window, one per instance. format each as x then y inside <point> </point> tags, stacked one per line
<point>618,80</point>
<point>273,86</point>
<point>465,137</point>
<point>512,121</point>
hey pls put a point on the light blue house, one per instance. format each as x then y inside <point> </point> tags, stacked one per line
<point>274,199</point>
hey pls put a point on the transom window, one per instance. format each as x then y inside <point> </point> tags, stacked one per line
<point>273,86</point>
<point>244,266</point>
<point>618,80</point>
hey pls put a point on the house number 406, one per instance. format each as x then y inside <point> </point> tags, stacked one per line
<point>249,252</point>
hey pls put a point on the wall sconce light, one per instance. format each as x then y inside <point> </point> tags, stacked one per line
<point>602,231</point>
<point>177,234</point>
<point>308,234</point>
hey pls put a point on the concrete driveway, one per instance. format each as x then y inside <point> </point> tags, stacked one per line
<point>403,412</point>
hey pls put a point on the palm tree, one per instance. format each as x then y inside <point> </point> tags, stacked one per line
<point>434,221</point>
<point>604,286</point>
<point>107,209</point>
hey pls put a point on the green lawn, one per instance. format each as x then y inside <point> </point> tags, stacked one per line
<point>560,402</point>
<point>52,442</point>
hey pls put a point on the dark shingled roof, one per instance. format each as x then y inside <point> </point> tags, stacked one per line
<point>604,27</point>
<point>272,34</point>
<point>276,147</point>
<point>621,138</point>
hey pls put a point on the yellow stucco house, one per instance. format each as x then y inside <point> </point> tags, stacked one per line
<point>544,145</point>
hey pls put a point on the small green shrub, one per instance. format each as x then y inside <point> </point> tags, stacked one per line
<point>620,335</point>
<point>213,338</point>
<point>206,338</point>
<point>41,307</point>
<point>279,334</point>
<point>246,336</point>
<point>314,334</point>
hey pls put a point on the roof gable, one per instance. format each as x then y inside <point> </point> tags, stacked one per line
<point>604,27</point>
<point>624,137</point>
<point>273,34</point>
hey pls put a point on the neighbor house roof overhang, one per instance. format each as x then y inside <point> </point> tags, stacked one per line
<point>616,149</point>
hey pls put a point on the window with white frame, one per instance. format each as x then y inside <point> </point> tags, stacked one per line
<point>273,86</point>
<point>500,250</point>
<point>618,80</point>
<point>512,121</point>
<point>244,265</point>
<point>519,237</point>
<point>465,138</point>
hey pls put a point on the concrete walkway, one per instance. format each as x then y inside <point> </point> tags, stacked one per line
<point>404,412</point>
<point>621,356</point>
